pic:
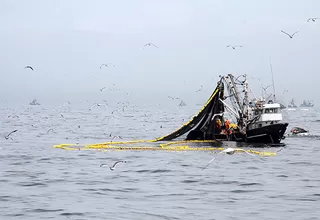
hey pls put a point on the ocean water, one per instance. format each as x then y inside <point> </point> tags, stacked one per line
<point>38,181</point>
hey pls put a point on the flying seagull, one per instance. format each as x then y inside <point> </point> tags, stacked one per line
<point>114,165</point>
<point>200,89</point>
<point>173,98</point>
<point>150,44</point>
<point>7,137</point>
<point>290,35</point>
<point>285,91</point>
<point>30,67</point>
<point>312,19</point>
<point>228,151</point>
<point>234,47</point>
<point>265,88</point>
<point>103,88</point>
<point>107,65</point>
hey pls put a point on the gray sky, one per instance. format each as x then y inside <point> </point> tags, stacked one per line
<point>67,41</point>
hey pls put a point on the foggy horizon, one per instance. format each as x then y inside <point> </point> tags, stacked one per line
<point>67,41</point>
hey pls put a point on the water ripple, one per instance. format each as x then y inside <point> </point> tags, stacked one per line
<point>39,182</point>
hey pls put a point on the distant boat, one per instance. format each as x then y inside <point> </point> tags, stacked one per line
<point>307,103</point>
<point>292,104</point>
<point>282,106</point>
<point>34,102</point>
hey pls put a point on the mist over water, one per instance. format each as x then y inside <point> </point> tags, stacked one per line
<point>67,41</point>
<point>41,182</point>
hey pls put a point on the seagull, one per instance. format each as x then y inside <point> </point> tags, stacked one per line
<point>200,89</point>
<point>150,44</point>
<point>13,116</point>
<point>116,137</point>
<point>30,67</point>
<point>114,111</point>
<point>106,65</point>
<point>7,137</point>
<point>51,129</point>
<point>114,165</point>
<point>229,151</point>
<point>312,19</point>
<point>265,88</point>
<point>234,47</point>
<point>97,104</point>
<point>103,88</point>
<point>290,35</point>
<point>285,91</point>
<point>173,98</point>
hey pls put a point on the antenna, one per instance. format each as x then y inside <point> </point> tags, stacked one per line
<point>274,89</point>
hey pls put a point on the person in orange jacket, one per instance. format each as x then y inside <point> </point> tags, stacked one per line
<point>227,124</point>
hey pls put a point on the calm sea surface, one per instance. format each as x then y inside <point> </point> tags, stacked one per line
<point>38,181</point>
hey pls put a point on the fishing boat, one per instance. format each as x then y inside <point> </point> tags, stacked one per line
<point>292,104</point>
<point>253,120</point>
<point>34,102</point>
<point>307,104</point>
<point>259,120</point>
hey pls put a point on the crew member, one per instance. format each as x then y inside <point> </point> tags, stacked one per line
<point>227,124</point>
<point>218,125</point>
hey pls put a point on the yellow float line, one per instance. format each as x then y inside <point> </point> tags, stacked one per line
<point>189,141</point>
<point>162,148</point>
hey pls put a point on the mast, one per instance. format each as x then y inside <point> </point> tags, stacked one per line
<point>274,88</point>
<point>235,91</point>
<point>246,97</point>
<point>242,120</point>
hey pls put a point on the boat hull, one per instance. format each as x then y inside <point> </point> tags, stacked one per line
<point>267,134</point>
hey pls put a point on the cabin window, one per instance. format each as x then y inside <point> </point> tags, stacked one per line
<point>260,125</point>
<point>257,112</point>
<point>271,110</point>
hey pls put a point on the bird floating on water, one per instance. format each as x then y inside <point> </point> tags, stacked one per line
<point>29,67</point>
<point>51,129</point>
<point>234,47</point>
<point>114,165</point>
<point>116,137</point>
<point>290,35</point>
<point>228,151</point>
<point>97,104</point>
<point>151,44</point>
<point>312,19</point>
